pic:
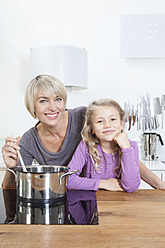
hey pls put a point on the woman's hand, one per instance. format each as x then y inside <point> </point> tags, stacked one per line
<point>9,151</point>
<point>122,140</point>
<point>162,185</point>
<point>111,184</point>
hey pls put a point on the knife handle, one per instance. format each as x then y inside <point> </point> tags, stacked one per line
<point>134,117</point>
<point>129,123</point>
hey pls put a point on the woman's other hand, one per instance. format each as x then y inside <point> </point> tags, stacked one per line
<point>111,184</point>
<point>9,151</point>
<point>161,185</point>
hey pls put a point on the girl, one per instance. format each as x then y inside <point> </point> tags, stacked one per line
<point>105,152</point>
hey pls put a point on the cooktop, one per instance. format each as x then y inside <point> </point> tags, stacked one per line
<point>78,207</point>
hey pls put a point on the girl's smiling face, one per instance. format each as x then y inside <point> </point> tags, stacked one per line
<point>49,110</point>
<point>106,123</point>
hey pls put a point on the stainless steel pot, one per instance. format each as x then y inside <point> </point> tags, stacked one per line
<point>42,183</point>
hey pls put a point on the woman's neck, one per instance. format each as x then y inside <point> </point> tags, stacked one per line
<point>52,138</point>
<point>58,129</point>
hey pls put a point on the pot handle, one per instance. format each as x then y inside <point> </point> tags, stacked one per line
<point>67,174</point>
<point>13,173</point>
<point>160,138</point>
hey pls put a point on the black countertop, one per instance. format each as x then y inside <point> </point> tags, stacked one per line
<point>78,207</point>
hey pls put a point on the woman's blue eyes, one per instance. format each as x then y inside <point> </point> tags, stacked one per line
<point>46,100</point>
<point>58,99</point>
<point>43,101</point>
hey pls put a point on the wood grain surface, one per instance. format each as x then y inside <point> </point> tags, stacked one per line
<point>125,220</point>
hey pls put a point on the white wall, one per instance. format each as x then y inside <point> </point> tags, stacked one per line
<point>93,24</point>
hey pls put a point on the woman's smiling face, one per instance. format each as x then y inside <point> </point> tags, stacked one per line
<point>49,110</point>
<point>106,123</point>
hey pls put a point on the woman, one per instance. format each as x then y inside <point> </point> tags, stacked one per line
<point>57,134</point>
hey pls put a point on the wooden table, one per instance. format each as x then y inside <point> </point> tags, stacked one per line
<point>125,220</point>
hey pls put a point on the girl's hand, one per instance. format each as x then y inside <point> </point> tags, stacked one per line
<point>9,151</point>
<point>122,140</point>
<point>112,184</point>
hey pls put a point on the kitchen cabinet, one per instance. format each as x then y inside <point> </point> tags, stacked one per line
<point>163,176</point>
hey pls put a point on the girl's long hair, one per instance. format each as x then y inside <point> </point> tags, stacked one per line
<point>90,139</point>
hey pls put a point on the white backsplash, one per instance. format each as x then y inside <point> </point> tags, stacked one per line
<point>160,150</point>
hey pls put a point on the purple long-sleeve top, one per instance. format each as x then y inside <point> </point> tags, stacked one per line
<point>130,176</point>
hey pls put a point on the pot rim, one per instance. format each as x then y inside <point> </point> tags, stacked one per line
<point>38,169</point>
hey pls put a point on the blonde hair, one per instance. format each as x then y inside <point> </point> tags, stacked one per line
<point>49,85</point>
<point>89,138</point>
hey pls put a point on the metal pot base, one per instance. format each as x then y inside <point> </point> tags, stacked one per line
<point>57,198</point>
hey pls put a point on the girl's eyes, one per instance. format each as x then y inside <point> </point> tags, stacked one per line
<point>101,121</point>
